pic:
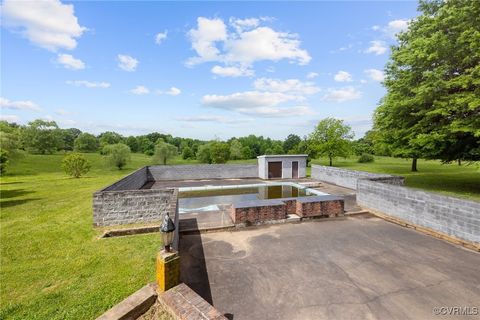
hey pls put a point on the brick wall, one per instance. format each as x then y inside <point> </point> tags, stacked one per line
<point>133,206</point>
<point>133,181</point>
<point>452,216</point>
<point>326,206</point>
<point>202,171</point>
<point>253,212</point>
<point>348,178</point>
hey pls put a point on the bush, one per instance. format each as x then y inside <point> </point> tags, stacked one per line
<point>3,161</point>
<point>117,154</point>
<point>364,158</point>
<point>75,165</point>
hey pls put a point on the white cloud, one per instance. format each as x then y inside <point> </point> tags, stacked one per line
<point>127,63</point>
<point>48,23</point>
<point>246,100</point>
<point>376,28</point>
<point>377,47</point>
<point>245,43</point>
<point>140,90</point>
<point>18,105</point>
<point>69,62</point>
<point>343,76</point>
<point>342,94</point>
<point>204,37</point>
<point>312,75</point>
<point>160,37</point>
<point>213,118</point>
<point>374,74</point>
<point>88,84</point>
<point>9,118</point>
<point>173,91</point>
<point>396,26</point>
<point>232,71</point>
<point>277,112</point>
<point>292,86</point>
<point>62,112</point>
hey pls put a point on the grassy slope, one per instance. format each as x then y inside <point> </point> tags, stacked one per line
<point>450,179</point>
<point>54,267</point>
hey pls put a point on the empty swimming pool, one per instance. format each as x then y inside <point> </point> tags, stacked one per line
<point>198,199</point>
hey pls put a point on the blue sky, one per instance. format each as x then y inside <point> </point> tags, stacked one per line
<point>196,69</point>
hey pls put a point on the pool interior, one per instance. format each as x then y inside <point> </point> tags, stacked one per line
<point>200,199</point>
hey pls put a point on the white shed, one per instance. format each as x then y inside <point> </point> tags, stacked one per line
<point>282,166</point>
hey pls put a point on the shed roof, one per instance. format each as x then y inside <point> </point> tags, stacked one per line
<point>284,156</point>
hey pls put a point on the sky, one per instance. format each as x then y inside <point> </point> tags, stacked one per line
<point>208,70</point>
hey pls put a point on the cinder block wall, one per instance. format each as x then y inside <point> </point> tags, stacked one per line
<point>453,216</point>
<point>348,178</point>
<point>202,171</point>
<point>133,206</point>
<point>386,194</point>
<point>133,181</point>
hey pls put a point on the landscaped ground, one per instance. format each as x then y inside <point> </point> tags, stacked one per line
<point>54,267</point>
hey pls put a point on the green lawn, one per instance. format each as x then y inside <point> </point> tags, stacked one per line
<point>53,266</point>
<point>450,179</point>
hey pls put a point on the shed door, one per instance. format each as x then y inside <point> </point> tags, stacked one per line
<point>295,169</point>
<point>275,169</point>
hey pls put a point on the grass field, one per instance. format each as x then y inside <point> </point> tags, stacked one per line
<point>53,266</point>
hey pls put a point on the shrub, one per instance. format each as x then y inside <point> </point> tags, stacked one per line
<point>117,155</point>
<point>364,158</point>
<point>3,161</point>
<point>75,165</point>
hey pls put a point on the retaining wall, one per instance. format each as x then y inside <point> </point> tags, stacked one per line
<point>133,206</point>
<point>348,178</point>
<point>386,194</point>
<point>133,181</point>
<point>202,171</point>
<point>452,216</point>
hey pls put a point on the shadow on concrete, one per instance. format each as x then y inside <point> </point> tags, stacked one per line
<point>193,269</point>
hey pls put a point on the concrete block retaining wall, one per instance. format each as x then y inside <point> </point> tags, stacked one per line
<point>133,206</point>
<point>386,194</point>
<point>202,171</point>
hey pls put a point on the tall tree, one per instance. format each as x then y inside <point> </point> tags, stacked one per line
<point>432,106</point>
<point>235,149</point>
<point>42,137</point>
<point>117,154</point>
<point>86,142</point>
<point>291,143</point>
<point>331,138</point>
<point>163,152</point>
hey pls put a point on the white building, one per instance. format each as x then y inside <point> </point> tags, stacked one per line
<point>282,166</point>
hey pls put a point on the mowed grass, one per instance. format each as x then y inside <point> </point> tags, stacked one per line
<point>448,179</point>
<point>52,264</point>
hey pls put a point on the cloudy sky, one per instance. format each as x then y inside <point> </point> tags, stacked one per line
<point>198,69</point>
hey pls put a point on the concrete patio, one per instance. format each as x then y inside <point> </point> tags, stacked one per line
<point>357,267</point>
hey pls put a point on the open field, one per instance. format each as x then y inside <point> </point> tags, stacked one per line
<point>54,267</point>
<point>449,179</point>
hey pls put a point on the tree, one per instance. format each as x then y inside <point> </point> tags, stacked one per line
<point>188,153</point>
<point>163,152</point>
<point>42,137</point>
<point>204,153</point>
<point>331,137</point>
<point>247,153</point>
<point>432,106</point>
<point>69,136</point>
<point>146,146</point>
<point>86,142</point>
<point>109,137</point>
<point>291,142</point>
<point>235,149</point>
<point>3,161</point>
<point>75,165</point>
<point>9,142</point>
<point>132,143</point>
<point>117,155</point>
<point>275,148</point>
<point>220,152</point>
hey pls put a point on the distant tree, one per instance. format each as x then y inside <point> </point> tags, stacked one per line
<point>235,149</point>
<point>132,143</point>
<point>247,153</point>
<point>109,137</point>
<point>220,152</point>
<point>69,136</point>
<point>10,141</point>
<point>86,142</point>
<point>291,142</point>
<point>432,106</point>
<point>75,165</point>
<point>42,137</point>
<point>275,148</point>
<point>146,146</point>
<point>188,153</point>
<point>163,152</point>
<point>3,161</point>
<point>117,155</point>
<point>204,153</point>
<point>331,138</point>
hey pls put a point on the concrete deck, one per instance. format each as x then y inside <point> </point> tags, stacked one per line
<point>352,268</point>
